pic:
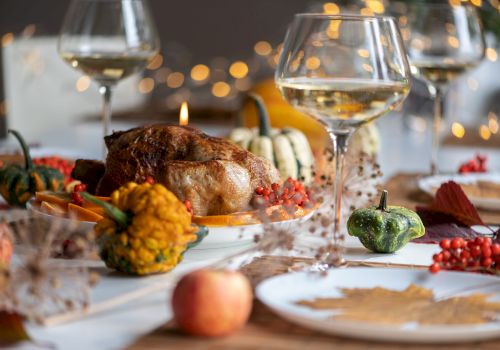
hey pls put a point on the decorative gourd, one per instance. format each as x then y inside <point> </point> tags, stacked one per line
<point>146,231</point>
<point>288,148</point>
<point>385,229</point>
<point>19,183</point>
<point>282,114</point>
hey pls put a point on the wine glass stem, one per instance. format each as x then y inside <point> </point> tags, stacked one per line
<point>105,91</point>
<point>340,141</point>
<point>436,129</point>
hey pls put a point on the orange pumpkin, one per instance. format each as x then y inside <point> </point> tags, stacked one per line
<point>282,114</point>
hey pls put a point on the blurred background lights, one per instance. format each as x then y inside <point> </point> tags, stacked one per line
<point>313,63</point>
<point>367,67</point>
<point>7,39</point>
<point>175,80</point>
<point>331,8</point>
<point>365,11</point>
<point>238,69</point>
<point>375,5</point>
<point>484,132</point>
<point>146,85</point>
<point>156,62</point>
<point>491,54</point>
<point>333,30</point>
<point>453,41</point>
<point>221,89</point>
<point>457,130</point>
<point>82,83</point>
<point>363,53</point>
<point>200,72</point>
<point>262,48</point>
<point>493,123</point>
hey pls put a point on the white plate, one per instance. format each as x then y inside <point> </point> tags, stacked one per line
<point>217,238</point>
<point>231,236</point>
<point>429,185</point>
<point>282,292</point>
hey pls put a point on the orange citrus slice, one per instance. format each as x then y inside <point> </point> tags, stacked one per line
<point>94,208</point>
<point>235,219</point>
<point>276,213</point>
<point>53,209</point>
<point>59,198</point>
<point>83,214</point>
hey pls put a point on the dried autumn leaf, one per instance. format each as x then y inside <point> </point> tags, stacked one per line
<point>451,214</point>
<point>414,304</point>
<point>11,328</point>
<point>451,199</point>
<point>440,225</point>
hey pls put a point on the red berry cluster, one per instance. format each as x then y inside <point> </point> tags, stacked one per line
<point>475,165</point>
<point>76,197</point>
<point>291,192</point>
<point>189,208</point>
<point>65,166</point>
<point>150,180</point>
<point>479,255</point>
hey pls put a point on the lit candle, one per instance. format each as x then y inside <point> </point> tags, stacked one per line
<point>184,115</point>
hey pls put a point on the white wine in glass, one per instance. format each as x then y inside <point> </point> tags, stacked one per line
<point>344,71</point>
<point>444,41</point>
<point>108,40</point>
<point>345,102</point>
<point>108,69</point>
<point>440,74</point>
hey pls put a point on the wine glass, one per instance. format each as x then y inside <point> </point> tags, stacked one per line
<point>108,40</point>
<point>443,42</point>
<point>343,71</point>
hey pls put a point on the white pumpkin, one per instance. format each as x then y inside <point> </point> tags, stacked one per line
<point>288,148</point>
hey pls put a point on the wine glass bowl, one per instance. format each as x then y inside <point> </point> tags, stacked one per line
<point>108,40</point>
<point>349,70</point>
<point>443,41</point>
<point>344,71</point>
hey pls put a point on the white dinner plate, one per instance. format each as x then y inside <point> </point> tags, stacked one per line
<point>430,184</point>
<point>281,293</point>
<point>217,238</point>
<point>231,236</point>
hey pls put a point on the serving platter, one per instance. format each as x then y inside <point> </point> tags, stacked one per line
<point>218,236</point>
<point>430,184</point>
<point>282,292</point>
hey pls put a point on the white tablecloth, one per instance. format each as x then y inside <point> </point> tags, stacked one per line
<point>401,151</point>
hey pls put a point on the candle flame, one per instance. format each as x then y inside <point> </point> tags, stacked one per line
<point>184,114</point>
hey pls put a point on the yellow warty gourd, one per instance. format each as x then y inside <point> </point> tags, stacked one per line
<point>152,235</point>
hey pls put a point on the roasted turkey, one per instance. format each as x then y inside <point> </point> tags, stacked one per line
<point>215,175</point>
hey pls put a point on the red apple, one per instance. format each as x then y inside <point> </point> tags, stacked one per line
<point>5,244</point>
<point>212,303</point>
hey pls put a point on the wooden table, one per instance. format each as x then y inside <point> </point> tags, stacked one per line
<point>403,191</point>
<point>265,330</point>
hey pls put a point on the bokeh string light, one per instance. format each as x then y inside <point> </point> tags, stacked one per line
<point>171,76</point>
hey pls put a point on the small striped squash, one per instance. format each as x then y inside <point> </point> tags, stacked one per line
<point>288,148</point>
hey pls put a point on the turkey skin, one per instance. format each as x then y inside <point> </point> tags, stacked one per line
<point>215,175</point>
